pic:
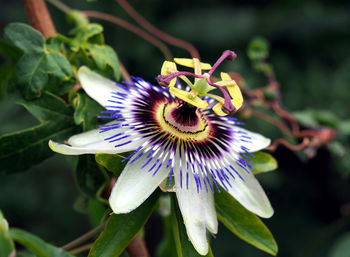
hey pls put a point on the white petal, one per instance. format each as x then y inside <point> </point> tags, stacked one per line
<point>256,141</point>
<point>93,141</point>
<point>211,218</point>
<point>249,192</point>
<point>135,184</point>
<point>193,209</point>
<point>97,87</point>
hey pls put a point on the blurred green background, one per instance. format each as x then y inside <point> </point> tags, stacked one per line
<point>310,52</point>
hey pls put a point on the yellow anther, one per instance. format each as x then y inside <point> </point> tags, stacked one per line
<point>168,68</point>
<point>232,88</point>
<point>225,76</point>
<point>217,109</point>
<point>189,63</point>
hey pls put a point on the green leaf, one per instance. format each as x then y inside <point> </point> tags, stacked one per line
<point>6,244</point>
<point>54,44</point>
<point>111,162</point>
<point>60,73</point>
<point>37,245</point>
<point>48,107</point>
<point>121,228</point>
<point>10,51</point>
<point>35,71</point>
<point>258,49</point>
<point>86,112</point>
<point>263,162</point>
<point>77,18</point>
<point>6,72</point>
<point>344,127</point>
<point>23,149</point>
<point>25,254</point>
<point>96,212</point>
<point>89,177</point>
<point>341,247</point>
<point>167,245</point>
<point>83,34</point>
<point>315,118</point>
<point>105,58</point>
<point>184,247</point>
<point>25,37</point>
<point>243,223</point>
<point>30,75</point>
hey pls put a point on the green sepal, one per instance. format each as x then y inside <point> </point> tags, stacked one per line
<point>112,162</point>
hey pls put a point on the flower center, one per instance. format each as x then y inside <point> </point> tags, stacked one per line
<point>182,121</point>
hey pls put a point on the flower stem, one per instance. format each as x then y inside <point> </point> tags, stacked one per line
<point>84,237</point>
<point>137,247</point>
<point>156,32</point>
<point>81,248</point>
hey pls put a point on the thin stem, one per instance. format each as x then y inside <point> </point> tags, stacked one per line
<point>282,141</point>
<point>156,32</point>
<point>137,247</point>
<point>128,26</point>
<point>84,237</point>
<point>81,248</point>
<point>286,115</point>
<point>273,121</point>
<point>59,5</point>
<point>39,17</point>
<point>125,73</point>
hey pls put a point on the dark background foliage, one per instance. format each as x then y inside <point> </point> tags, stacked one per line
<point>309,42</point>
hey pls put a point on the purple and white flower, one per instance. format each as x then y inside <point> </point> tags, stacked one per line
<point>197,149</point>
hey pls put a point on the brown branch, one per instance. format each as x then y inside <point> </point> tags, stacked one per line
<point>128,26</point>
<point>282,141</point>
<point>81,248</point>
<point>84,237</point>
<point>286,115</point>
<point>39,17</point>
<point>283,127</point>
<point>137,247</point>
<point>125,73</point>
<point>156,32</point>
